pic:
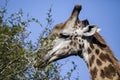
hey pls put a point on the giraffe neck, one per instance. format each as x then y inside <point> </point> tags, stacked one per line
<point>101,63</point>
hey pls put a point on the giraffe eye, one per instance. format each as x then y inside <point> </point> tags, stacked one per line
<point>62,35</point>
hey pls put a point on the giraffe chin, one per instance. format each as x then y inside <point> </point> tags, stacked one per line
<point>42,63</point>
<point>57,55</point>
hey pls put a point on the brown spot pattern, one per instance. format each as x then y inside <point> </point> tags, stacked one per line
<point>74,44</point>
<point>94,73</point>
<point>91,60</point>
<point>89,50</point>
<point>102,57</point>
<point>99,63</point>
<point>105,57</point>
<point>102,74</point>
<point>108,58</point>
<point>91,45</point>
<point>97,51</point>
<point>79,40</point>
<point>71,43</point>
<point>108,72</point>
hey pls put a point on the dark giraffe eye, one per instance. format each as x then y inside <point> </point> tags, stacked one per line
<point>62,35</point>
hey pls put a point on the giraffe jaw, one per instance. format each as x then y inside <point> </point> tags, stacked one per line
<point>59,51</point>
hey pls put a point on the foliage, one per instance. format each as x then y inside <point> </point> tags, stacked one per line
<point>15,51</point>
<point>12,54</point>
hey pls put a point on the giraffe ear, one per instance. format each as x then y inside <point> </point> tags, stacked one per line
<point>90,30</point>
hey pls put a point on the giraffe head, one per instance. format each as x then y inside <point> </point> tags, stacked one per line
<point>67,39</point>
<point>75,37</point>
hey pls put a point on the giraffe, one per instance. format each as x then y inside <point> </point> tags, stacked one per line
<point>78,38</point>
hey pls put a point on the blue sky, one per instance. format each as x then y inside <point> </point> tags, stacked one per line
<point>104,13</point>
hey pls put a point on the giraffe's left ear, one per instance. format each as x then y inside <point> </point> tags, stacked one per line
<point>90,30</point>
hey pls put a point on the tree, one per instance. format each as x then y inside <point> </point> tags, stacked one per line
<point>13,59</point>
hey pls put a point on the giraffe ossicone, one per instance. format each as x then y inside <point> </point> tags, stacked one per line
<point>75,37</point>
